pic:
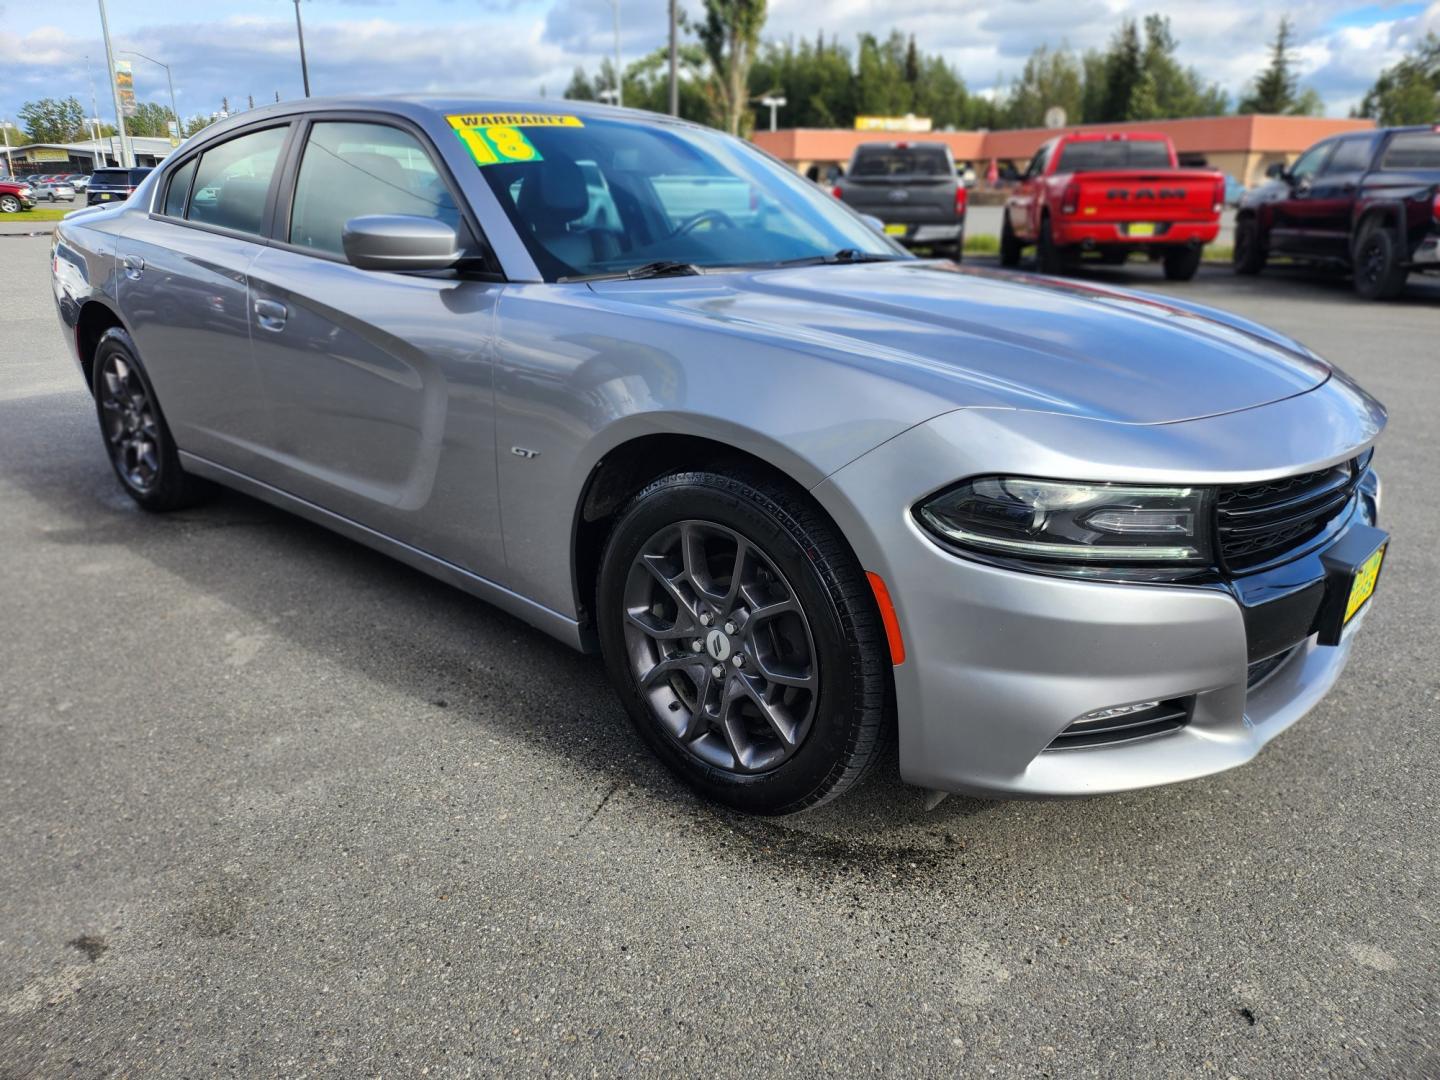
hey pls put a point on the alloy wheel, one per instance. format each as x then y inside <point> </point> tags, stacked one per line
<point>9,204</point>
<point>1372,260</point>
<point>720,647</point>
<point>132,431</point>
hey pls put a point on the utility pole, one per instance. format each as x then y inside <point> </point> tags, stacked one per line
<point>674,78</point>
<point>5,130</point>
<point>619,75</point>
<point>174,112</point>
<point>127,159</point>
<point>92,122</point>
<point>300,32</point>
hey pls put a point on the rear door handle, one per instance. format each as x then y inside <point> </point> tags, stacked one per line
<point>271,314</point>
<point>134,266</point>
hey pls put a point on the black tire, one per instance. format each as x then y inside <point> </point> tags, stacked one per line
<point>1248,255</point>
<point>794,551</point>
<point>10,204</point>
<point>136,436</point>
<point>1379,273</point>
<point>956,251</point>
<point>1182,263</point>
<point>1010,246</point>
<point>1049,257</point>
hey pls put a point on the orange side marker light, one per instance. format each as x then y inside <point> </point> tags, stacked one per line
<point>888,617</point>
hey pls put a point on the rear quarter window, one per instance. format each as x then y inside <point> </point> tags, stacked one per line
<point>1412,150</point>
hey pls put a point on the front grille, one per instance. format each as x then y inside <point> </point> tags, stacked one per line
<point>1159,719</point>
<point>1259,522</point>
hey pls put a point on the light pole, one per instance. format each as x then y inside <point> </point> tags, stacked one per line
<point>619,75</point>
<point>126,159</point>
<point>5,127</point>
<point>300,33</point>
<point>174,112</point>
<point>775,101</point>
<point>674,78</point>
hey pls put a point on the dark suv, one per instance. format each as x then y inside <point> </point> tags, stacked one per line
<point>1369,202</point>
<point>911,187</point>
<point>114,185</point>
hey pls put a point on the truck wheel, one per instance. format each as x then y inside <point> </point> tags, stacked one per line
<point>1009,243</point>
<point>1379,273</point>
<point>1248,256</point>
<point>1182,263</point>
<point>1050,256</point>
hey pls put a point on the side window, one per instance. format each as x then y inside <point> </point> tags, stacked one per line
<point>233,180</point>
<point>350,169</point>
<point>1351,156</point>
<point>179,189</point>
<point>1037,163</point>
<point>1310,161</point>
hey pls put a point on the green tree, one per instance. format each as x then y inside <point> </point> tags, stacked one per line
<point>53,120</point>
<point>1167,89</point>
<point>1276,90</point>
<point>1124,70</point>
<point>1409,91</point>
<point>150,121</point>
<point>730,35</point>
<point>1048,79</point>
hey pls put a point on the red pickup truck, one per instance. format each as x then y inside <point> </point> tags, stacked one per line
<point>1115,194</point>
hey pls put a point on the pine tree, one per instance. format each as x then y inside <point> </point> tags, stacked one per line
<point>1274,89</point>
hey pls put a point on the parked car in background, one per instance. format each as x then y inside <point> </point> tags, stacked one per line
<point>115,185</point>
<point>15,195</point>
<point>55,189</point>
<point>1114,194</point>
<point>803,491</point>
<point>913,188</point>
<point>1368,202</point>
<point>1234,191</point>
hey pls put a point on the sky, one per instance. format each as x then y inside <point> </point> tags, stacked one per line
<point>225,48</point>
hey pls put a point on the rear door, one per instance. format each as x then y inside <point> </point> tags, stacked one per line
<point>1333,193</point>
<point>183,290</point>
<point>380,383</point>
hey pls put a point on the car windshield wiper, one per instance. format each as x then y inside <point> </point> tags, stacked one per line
<point>659,268</point>
<point>844,255</point>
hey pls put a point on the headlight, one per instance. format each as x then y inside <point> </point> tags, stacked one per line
<point>1092,524</point>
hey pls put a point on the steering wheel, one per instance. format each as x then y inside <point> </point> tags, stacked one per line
<point>694,221</point>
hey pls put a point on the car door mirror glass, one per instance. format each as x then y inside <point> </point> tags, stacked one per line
<point>1276,171</point>
<point>400,242</point>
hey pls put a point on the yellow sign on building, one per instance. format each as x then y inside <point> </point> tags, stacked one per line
<point>911,123</point>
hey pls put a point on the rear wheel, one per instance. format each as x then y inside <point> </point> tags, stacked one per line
<point>1010,245</point>
<point>137,438</point>
<point>1379,273</point>
<point>1182,263</point>
<point>744,641</point>
<point>1051,258</point>
<point>1248,256</point>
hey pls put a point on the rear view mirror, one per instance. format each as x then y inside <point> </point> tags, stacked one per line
<point>400,242</point>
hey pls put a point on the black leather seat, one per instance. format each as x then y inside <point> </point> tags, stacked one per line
<point>552,197</point>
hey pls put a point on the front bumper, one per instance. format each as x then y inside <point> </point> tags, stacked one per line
<point>1428,253</point>
<point>1000,662</point>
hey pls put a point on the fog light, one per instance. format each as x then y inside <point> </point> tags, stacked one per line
<point>1116,710</point>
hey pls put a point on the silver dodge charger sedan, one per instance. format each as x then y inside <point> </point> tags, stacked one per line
<point>645,388</point>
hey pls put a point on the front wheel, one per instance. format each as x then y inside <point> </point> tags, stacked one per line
<point>138,440</point>
<point>10,204</point>
<point>1182,264</point>
<point>1379,273</point>
<point>744,641</point>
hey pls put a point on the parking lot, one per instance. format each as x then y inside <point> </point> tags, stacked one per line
<point>276,805</point>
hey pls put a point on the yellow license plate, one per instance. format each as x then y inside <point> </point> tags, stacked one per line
<point>1363,584</point>
<point>102,196</point>
<point>1141,229</point>
<point>894,230</point>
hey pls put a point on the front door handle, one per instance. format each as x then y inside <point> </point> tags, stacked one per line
<point>271,314</point>
<point>134,266</point>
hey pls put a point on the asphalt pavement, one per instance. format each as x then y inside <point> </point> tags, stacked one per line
<point>275,805</point>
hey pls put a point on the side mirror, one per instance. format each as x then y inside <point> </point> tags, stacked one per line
<point>874,222</point>
<point>1275,171</point>
<point>399,242</point>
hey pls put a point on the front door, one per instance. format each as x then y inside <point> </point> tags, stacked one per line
<point>1333,194</point>
<point>379,383</point>
<point>1296,213</point>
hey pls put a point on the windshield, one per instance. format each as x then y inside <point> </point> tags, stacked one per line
<point>601,196</point>
<point>1117,154</point>
<point>901,161</point>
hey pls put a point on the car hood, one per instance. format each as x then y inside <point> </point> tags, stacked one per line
<point>978,338</point>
